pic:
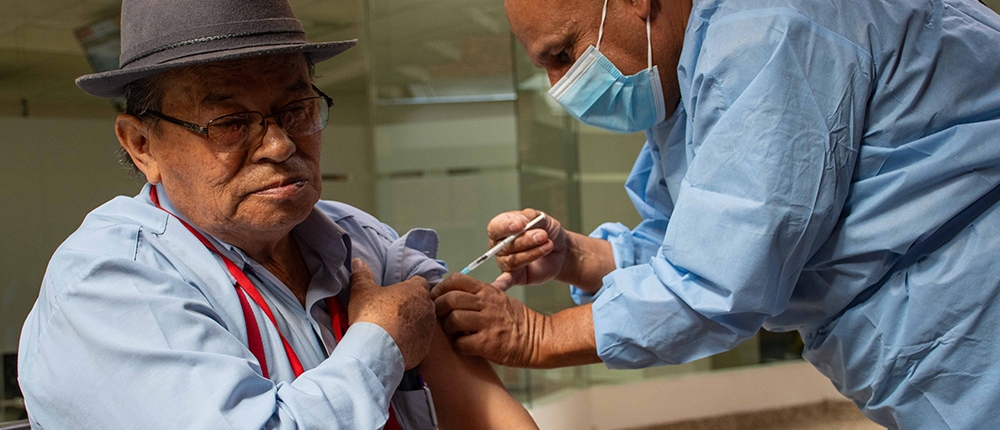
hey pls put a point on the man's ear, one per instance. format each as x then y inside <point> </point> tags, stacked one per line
<point>134,138</point>
<point>643,8</point>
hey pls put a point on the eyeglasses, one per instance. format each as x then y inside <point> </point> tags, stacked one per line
<point>233,132</point>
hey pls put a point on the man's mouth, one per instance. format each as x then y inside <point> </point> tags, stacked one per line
<point>282,188</point>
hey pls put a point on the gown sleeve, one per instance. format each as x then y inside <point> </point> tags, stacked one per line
<point>776,107</point>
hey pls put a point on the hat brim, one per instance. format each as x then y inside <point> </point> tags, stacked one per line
<point>111,84</point>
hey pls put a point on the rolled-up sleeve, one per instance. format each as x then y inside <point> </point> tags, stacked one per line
<point>776,111</point>
<point>414,254</point>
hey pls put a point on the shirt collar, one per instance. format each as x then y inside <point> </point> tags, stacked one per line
<point>320,237</point>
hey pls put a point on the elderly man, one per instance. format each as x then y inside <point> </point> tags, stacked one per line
<point>218,297</point>
<point>825,166</point>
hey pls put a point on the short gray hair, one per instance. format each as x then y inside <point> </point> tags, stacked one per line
<point>141,96</point>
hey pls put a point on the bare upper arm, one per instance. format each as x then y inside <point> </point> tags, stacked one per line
<point>468,394</point>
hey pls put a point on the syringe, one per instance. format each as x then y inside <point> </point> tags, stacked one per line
<point>503,243</point>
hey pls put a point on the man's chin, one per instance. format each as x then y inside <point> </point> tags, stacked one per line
<point>274,211</point>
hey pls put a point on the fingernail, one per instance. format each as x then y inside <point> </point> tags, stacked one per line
<point>537,237</point>
<point>357,264</point>
<point>546,247</point>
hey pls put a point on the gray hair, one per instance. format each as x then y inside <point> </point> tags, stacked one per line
<point>143,95</point>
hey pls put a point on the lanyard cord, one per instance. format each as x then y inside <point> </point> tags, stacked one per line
<point>338,316</point>
<point>244,286</point>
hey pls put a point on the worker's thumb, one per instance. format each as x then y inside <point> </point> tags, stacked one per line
<point>504,281</point>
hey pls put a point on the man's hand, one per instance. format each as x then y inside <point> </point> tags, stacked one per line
<point>535,257</point>
<point>548,251</point>
<point>403,310</point>
<point>484,321</point>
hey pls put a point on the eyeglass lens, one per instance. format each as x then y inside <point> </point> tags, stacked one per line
<point>298,119</point>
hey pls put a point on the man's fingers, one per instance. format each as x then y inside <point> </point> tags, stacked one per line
<point>512,262</point>
<point>418,281</point>
<point>504,281</point>
<point>456,301</point>
<point>530,239</point>
<point>509,223</point>
<point>505,224</point>
<point>463,321</point>
<point>456,282</point>
<point>471,344</point>
<point>361,275</point>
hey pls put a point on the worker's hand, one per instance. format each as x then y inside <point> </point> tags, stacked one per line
<point>535,257</point>
<point>484,321</point>
<point>404,310</point>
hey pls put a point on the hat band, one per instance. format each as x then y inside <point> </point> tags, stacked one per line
<point>202,40</point>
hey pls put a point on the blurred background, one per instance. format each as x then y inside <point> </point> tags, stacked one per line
<point>440,121</point>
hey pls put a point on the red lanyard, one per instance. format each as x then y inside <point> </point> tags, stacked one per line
<point>338,315</point>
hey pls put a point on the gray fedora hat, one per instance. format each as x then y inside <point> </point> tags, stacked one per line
<point>158,35</point>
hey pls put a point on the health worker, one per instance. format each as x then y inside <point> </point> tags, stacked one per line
<point>823,166</point>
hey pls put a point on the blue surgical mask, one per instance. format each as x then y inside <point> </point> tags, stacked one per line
<point>598,94</point>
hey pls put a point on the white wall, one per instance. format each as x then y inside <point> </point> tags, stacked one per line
<point>52,173</point>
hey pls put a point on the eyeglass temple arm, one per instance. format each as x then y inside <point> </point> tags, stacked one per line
<point>329,100</point>
<point>188,125</point>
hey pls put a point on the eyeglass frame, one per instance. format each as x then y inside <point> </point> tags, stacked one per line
<point>203,130</point>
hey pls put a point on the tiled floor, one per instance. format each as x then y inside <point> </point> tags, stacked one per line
<point>820,416</point>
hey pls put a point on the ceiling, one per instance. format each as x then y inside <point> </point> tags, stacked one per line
<point>411,41</point>
<point>414,48</point>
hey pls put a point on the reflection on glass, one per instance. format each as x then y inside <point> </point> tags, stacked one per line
<point>440,51</point>
<point>444,126</point>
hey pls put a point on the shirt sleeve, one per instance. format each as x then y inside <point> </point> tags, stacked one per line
<point>414,254</point>
<point>126,345</point>
<point>776,107</point>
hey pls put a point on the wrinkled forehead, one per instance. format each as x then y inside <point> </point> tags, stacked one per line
<point>260,76</point>
<point>541,25</point>
<point>542,14</point>
<point>528,17</point>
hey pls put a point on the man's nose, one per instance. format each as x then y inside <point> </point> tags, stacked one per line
<point>276,146</point>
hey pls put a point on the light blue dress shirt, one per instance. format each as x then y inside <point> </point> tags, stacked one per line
<point>137,325</point>
<point>815,143</point>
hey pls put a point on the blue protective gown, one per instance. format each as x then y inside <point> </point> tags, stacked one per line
<point>815,143</point>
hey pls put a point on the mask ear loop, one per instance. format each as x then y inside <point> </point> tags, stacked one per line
<point>649,38</point>
<point>604,15</point>
<point>649,43</point>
